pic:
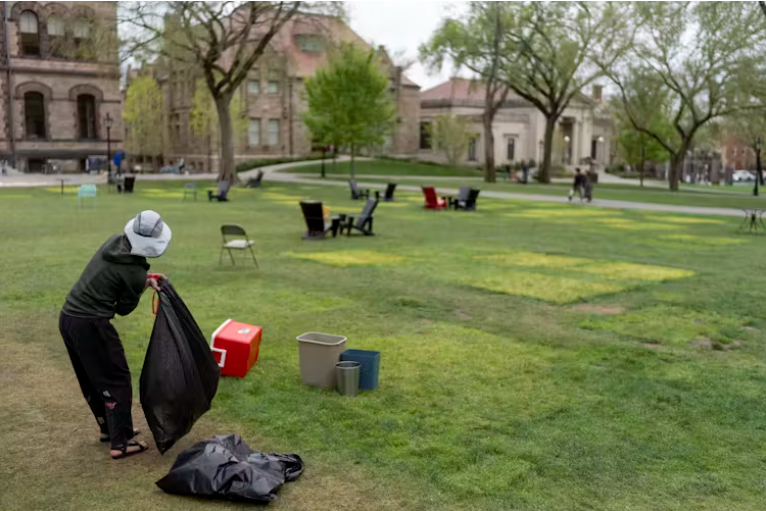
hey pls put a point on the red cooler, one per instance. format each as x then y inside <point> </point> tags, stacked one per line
<point>235,347</point>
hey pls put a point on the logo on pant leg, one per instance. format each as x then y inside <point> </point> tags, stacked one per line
<point>110,405</point>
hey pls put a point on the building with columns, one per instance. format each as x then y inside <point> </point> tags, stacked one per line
<point>59,82</point>
<point>583,131</point>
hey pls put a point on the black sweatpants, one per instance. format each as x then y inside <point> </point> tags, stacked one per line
<point>99,362</point>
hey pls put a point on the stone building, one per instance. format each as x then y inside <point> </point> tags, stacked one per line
<point>60,81</point>
<point>583,131</point>
<point>273,99</point>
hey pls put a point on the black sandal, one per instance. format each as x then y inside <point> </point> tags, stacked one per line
<point>106,438</point>
<point>126,454</point>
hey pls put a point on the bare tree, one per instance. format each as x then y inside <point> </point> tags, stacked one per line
<point>223,40</point>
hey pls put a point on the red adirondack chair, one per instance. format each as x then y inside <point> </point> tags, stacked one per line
<point>432,200</point>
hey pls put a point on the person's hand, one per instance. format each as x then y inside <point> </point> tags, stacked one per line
<point>153,281</point>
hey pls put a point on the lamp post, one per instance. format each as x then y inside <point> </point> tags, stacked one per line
<point>566,153</point>
<point>108,124</point>
<point>758,145</point>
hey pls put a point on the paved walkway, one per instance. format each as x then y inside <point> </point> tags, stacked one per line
<point>271,173</point>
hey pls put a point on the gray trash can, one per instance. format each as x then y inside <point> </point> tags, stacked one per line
<point>318,353</point>
<point>347,374</point>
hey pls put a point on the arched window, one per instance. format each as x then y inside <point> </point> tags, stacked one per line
<point>30,34</point>
<point>86,116</point>
<point>34,114</point>
<point>57,36</point>
<point>81,30</point>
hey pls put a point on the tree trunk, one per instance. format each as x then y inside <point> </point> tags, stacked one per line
<point>641,171</point>
<point>676,168</point>
<point>334,160</point>
<point>226,170</point>
<point>544,174</point>
<point>489,146</point>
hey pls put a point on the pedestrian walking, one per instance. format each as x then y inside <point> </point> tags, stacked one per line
<point>578,186</point>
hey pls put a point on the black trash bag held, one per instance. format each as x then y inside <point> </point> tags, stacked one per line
<point>180,376</point>
<point>225,467</point>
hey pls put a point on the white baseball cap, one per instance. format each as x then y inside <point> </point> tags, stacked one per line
<point>149,236</point>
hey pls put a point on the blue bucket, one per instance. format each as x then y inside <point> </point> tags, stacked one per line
<point>370,366</point>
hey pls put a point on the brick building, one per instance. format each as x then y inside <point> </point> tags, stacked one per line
<point>737,156</point>
<point>60,80</point>
<point>273,99</point>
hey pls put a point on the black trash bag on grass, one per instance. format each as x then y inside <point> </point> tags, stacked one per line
<point>180,375</point>
<point>225,467</point>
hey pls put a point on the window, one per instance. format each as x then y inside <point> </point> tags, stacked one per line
<point>273,85</point>
<point>310,43</point>
<point>510,149</point>
<point>86,116</point>
<point>34,114</point>
<point>593,149</point>
<point>30,35</point>
<point>253,87</point>
<point>425,135</point>
<point>254,133</point>
<point>81,32</point>
<point>273,132</point>
<point>472,142</point>
<point>57,36</point>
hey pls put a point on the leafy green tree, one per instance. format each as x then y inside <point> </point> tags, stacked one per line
<point>142,114</point>
<point>697,55</point>
<point>349,101</point>
<point>476,41</point>
<point>448,134</point>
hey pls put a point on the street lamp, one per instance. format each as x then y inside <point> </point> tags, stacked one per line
<point>108,124</point>
<point>566,140</point>
<point>758,145</point>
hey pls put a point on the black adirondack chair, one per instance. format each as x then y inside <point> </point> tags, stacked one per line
<point>313,214</point>
<point>223,192</point>
<point>256,181</point>
<point>356,193</point>
<point>389,196</point>
<point>469,204</point>
<point>363,224</point>
<point>462,196</point>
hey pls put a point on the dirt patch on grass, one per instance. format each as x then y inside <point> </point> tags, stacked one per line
<point>601,310</point>
<point>702,343</point>
<point>652,346</point>
<point>462,315</point>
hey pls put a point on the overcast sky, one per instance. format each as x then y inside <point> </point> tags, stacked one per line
<point>402,27</point>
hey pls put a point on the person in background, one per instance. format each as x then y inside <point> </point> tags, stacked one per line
<point>112,283</point>
<point>525,171</point>
<point>578,186</point>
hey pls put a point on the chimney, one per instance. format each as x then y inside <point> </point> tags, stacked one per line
<point>597,89</point>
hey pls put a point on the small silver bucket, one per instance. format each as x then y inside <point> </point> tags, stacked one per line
<point>347,377</point>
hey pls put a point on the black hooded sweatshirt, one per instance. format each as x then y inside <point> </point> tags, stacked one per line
<point>112,282</point>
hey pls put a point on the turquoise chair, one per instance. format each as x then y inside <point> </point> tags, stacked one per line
<point>86,192</point>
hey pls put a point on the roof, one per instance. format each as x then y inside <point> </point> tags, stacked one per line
<point>460,89</point>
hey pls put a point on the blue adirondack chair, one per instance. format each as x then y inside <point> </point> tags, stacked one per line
<point>86,192</point>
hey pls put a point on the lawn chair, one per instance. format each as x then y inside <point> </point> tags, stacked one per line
<point>356,193</point>
<point>223,192</point>
<point>466,202</point>
<point>256,181</point>
<point>242,242</point>
<point>389,196</point>
<point>462,196</point>
<point>364,222</point>
<point>316,226</point>
<point>190,189</point>
<point>86,192</point>
<point>432,200</point>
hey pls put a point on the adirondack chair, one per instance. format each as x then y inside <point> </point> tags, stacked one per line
<point>461,196</point>
<point>432,200</point>
<point>389,196</point>
<point>469,204</point>
<point>356,193</point>
<point>223,192</point>
<point>313,214</point>
<point>256,181</point>
<point>86,192</point>
<point>363,224</point>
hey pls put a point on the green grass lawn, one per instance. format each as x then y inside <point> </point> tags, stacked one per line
<point>386,168</point>
<point>706,198</point>
<point>534,356</point>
